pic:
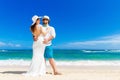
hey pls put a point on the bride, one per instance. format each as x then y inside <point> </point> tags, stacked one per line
<point>37,66</point>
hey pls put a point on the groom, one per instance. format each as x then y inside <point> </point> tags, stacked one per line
<point>48,54</point>
<point>48,41</point>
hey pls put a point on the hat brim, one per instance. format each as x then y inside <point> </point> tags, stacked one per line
<point>33,23</point>
<point>37,18</point>
<point>45,19</point>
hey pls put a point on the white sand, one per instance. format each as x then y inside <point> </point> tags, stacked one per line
<point>69,73</point>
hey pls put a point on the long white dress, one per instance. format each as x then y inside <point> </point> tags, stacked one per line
<point>37,66</point>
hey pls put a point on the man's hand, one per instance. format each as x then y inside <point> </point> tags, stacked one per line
<point>45,41</point>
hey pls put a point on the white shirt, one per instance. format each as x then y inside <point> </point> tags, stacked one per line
<point>50,33</point>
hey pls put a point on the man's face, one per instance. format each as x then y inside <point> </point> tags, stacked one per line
<point>45,21</point>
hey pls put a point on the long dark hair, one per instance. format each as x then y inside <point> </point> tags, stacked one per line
<point>33,27</point>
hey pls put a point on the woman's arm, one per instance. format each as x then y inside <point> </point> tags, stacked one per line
<point>44,32</point>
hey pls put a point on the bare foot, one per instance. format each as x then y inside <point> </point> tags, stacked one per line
<point>57,73</point>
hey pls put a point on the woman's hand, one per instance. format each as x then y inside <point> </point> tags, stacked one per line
<point>44,32</point>
<point>35,38</point>
<point>48,29</point>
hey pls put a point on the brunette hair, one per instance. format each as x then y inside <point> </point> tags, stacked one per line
<point>33,27</point>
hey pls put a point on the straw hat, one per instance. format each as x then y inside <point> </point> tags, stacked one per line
<point>34,19</point>
<point>46,17</point>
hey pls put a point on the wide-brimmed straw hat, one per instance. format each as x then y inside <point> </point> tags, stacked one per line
<point>34,18</point>
<point>46,17</point>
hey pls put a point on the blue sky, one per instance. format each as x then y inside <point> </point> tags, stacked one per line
<point>79,24</point>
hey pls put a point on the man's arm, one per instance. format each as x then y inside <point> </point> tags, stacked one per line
<point>52,36</point>
<point>47,40</point>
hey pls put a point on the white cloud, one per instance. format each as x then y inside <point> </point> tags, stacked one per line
<point>107,42</point>
<point>3,44</point>
<point>17,45</point>
<point>13,45</point>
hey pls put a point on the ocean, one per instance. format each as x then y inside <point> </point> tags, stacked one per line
<point>64,57</point>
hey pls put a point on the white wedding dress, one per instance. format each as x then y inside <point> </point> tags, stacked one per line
<point>37,66</point>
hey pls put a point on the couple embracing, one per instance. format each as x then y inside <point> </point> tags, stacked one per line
<point>42,46</point>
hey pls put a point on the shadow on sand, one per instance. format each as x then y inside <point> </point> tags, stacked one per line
<point>13,72</point>
<point>18,72</point>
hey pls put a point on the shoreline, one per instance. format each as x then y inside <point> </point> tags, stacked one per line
<point>63,63</point>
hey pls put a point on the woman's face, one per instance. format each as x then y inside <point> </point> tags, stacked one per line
<point>38,21</point>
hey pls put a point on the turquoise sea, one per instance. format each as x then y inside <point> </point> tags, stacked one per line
<point>64,57</point>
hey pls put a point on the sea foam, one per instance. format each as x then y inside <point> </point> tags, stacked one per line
<point>12,62</point>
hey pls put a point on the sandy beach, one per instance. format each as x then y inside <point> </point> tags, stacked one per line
<point>69,73</point>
